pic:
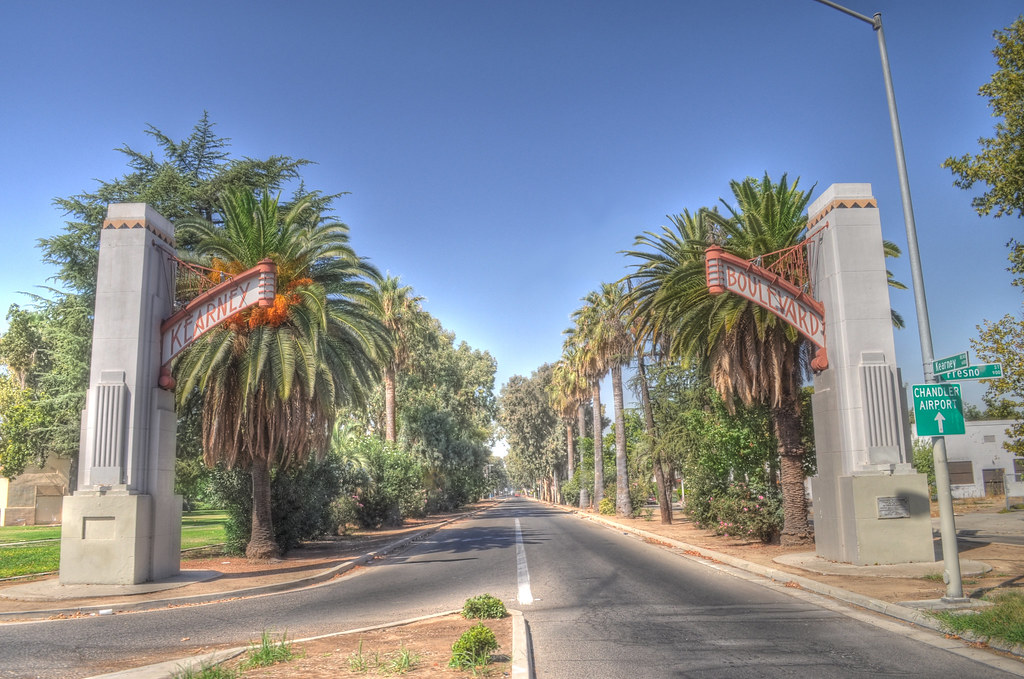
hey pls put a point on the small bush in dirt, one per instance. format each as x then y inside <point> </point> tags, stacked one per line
<point>607,505</point>
<point>205,672</point>
<point>484,606</point>
<point>474,647</point>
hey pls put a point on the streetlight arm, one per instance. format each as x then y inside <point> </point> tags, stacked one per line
<point>845,10</point>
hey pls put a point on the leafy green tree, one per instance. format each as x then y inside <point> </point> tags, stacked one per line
<point>21,345</point>
<point>182,179</point>
<point>748,352</point>
<point>273,378</point>
<point>531,428</point>
<point>999,164</point>
<point>187,181</point>
<point>446,410</point>
<point>1002,341</point>
<point>19,429</point>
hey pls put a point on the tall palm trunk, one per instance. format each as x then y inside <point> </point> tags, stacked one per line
<point>571,446</point>
<point>581,417</point>
<point>261,541</point>
<point>786,420</point>
<point>598,455</point>
<point>390,432</point>
<point>664,492</point>
<point>623,506</point>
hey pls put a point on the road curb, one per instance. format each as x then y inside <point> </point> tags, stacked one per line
<point>522,650</point>
<point>898,611</point>
<point>275,588</point>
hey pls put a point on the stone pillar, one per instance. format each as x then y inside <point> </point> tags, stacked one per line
<point>869,504</point>
<point>123,524</point>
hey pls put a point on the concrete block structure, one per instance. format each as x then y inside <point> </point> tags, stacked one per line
<point>123,524</point>
<point>870,506</point>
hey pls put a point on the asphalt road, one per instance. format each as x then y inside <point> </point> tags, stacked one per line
<point>440,573</point>
<point>604,606</point>
<point>609,605</point>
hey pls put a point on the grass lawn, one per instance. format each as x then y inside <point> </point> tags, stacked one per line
<point>198,529</point>
<point>1004,620</point>
<point>202,528</point>
<point>26,533</point>
<point>28,559</point>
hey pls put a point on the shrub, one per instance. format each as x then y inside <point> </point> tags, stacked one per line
<point>607,505</point>
<point>303,501</point>
<point>571,490</point>
<point>484,606</point>
<point>474,647</point>
<point>393,487</point>
<point>744,510</point>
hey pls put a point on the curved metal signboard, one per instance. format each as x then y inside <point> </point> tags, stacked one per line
<point>729,273</point>
<point>216,305</point>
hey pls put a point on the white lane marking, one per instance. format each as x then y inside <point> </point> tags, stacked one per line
<point>522,572</point>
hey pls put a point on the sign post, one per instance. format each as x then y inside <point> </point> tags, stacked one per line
<point>938,409</point>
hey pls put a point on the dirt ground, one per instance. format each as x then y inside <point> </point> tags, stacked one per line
<point>429,642</point>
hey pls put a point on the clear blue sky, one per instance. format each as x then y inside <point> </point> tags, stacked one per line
<point>500,155</point>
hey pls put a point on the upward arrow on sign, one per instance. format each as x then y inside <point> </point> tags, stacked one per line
<point>939,419</point>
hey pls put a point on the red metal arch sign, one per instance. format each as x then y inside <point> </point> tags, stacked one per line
<point>216,305</point>
<point>729,273</point>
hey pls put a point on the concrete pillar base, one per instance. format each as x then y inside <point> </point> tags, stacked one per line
<point>107,538</point>
<point>880,519</point>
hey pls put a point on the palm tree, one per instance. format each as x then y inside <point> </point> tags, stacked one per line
<point>577,390</point>
<point>607,344</point>
<point>273,378</point>
<point>749,352</point>
<point>574,344</point>
<point>565,398</point>
<point>402,316</point>
<point>686,242</point>
<point>892,250</point>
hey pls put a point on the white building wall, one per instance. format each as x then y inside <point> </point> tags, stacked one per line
<point>982,445</point>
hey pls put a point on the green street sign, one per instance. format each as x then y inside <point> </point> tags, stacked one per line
<point>938,409</point>
<point>984,371</point>
<point>952,363</point>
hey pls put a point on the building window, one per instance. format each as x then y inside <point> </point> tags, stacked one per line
<point>961,473</point>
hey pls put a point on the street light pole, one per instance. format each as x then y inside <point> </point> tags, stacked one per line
<point>950,552</point>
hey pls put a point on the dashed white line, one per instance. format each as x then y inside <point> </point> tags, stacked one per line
<point>522,572</point>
